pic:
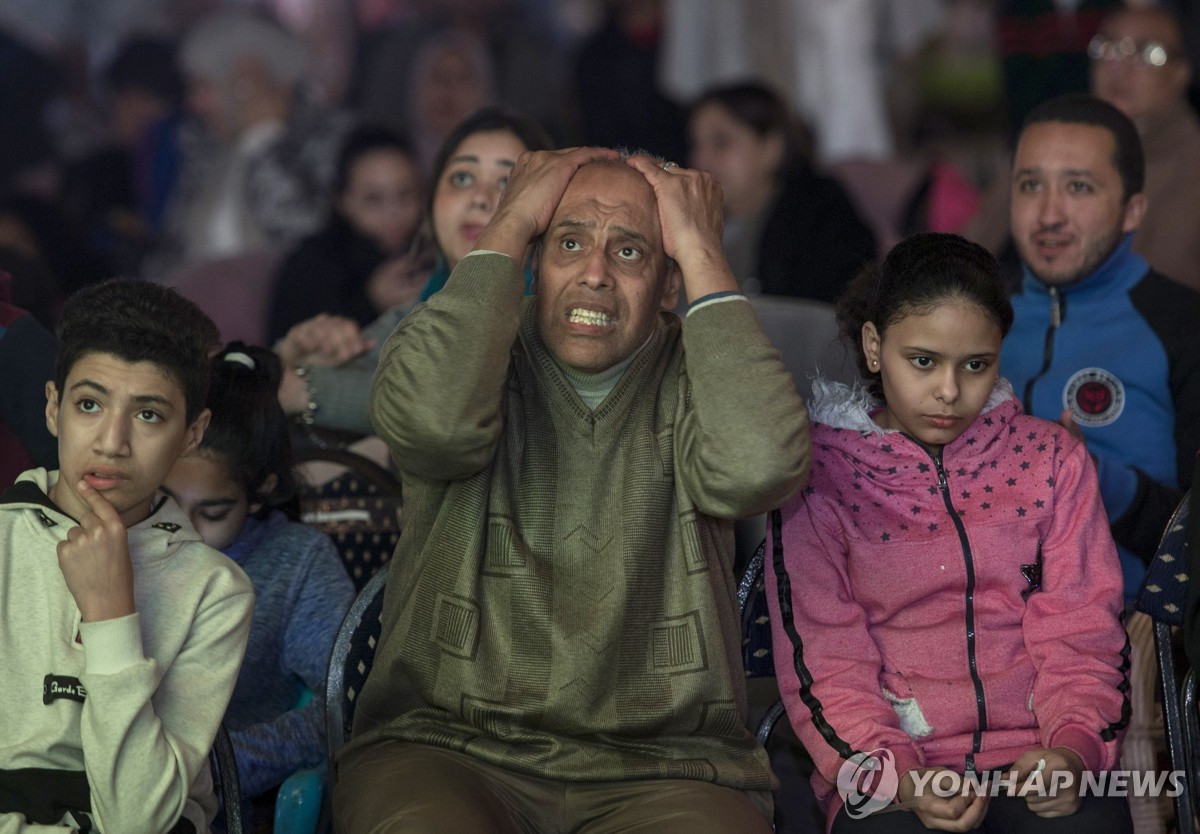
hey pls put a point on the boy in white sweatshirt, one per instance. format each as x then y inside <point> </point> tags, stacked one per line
<point>121,633</point>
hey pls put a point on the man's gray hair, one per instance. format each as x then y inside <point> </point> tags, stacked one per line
<point>212,48</point>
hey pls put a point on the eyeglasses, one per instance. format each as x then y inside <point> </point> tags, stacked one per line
<point>1149,54</point>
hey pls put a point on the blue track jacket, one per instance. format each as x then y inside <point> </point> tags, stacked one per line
<point>1121,350</point>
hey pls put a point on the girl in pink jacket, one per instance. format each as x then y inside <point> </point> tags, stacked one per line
<point>945,594</point>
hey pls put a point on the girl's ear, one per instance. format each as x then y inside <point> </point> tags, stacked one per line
<point>263,492</point>
<point>871,345</point>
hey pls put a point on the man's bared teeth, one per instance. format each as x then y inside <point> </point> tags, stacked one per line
<point>581,316</point>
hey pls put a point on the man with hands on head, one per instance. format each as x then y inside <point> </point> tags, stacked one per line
<point>560,646</point>
<point>119,655</point>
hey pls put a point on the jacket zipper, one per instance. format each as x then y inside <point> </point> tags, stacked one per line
<point>969,562</point>
<point>1057,314</point>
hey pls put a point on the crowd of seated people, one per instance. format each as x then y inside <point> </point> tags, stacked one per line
<point>533,311</point>
<point>329,360</point>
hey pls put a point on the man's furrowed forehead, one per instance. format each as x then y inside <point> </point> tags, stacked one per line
<point>611,195</point>
<point>567,225</point>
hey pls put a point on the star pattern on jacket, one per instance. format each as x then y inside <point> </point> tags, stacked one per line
<point>1000,470</point>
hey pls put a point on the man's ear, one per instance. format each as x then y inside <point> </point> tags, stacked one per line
<point>674,280</point>
<point>195,432</point>
<point>52,407</point>
<point>1135,210</point>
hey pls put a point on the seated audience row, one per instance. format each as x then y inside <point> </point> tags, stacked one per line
<point>585,444</point>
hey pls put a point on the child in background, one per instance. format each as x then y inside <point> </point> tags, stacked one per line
<point>120,631</point>
<point>348,267</point>
<point>238,489</point>
<point>948,594</point>
<point>329,363</point>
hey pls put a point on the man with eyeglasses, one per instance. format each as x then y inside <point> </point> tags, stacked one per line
<point>1138,64</point>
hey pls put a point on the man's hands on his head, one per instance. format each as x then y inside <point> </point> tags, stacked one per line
<point>94,559</point>
<point>692,217</point>
<point>953,813</point>
<point>531,197</point>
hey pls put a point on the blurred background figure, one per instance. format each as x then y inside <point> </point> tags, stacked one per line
<point>1043,46</point>
<point>1139,65</point>
<point>356,263</point>
<point>452,77</point>
<point>40,243</point>
<point>618,90</point>
<point>788,229</point>
<point>525,70</point>
<point>329,31</point>
<point>31,81</point>
<point>55,71</point>
<point>117,192</point>
<point>949,171</point>
<point>27,350</point>
<point>258,158</point>
<point>830,60</point>
<point>329,361</point>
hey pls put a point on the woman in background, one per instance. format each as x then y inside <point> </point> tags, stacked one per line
<point>328,360</point>
<point>788,230</point>
<point>352,265</point>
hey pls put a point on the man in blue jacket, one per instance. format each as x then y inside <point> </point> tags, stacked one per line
<point>1101,342</point>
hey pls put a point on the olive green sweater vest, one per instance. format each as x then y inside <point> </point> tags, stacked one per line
<point>562,601</point>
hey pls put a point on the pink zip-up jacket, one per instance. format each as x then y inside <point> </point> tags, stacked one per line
<point>954,610</point>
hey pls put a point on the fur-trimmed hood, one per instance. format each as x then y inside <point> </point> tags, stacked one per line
<point>843,424</point>
<point>844,406</point>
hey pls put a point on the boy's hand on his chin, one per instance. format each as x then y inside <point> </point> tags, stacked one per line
<point>94,560</point>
